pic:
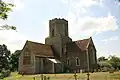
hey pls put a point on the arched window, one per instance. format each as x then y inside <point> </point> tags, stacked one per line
<point>53,32</point>
<point>77,61</point>
<point>62,50</point>
<point>26,58</point>
<point>68,61</point>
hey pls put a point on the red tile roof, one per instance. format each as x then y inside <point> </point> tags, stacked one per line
<point>41,49</point>
<point>82,44</point>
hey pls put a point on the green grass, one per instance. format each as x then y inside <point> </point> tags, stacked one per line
<point>80,76</point>
<point>116,76</point>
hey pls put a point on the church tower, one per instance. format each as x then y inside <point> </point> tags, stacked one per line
<point>58,36</point>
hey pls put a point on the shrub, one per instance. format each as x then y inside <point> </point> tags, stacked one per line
<point>111,70</point>
<point>105,69</point>
<point>5,73</point>
<point>1,76</point>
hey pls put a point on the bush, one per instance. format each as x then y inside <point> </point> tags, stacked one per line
<point>5,73</point>
<point>111,70</point>
<point>105,69</point>
<point>1,76</point>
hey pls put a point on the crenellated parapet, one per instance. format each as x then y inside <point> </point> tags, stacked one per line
<point>58,20</point>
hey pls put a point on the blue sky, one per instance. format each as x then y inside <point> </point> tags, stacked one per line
<point>97,18</point>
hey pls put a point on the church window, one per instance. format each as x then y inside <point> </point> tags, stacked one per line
<point>53,32</point>
<point>77,61</point>
<point>26,58</point>
<point>62,50</point>
<point>68,61</point>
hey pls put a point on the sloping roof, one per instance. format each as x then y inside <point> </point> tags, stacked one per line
<point>41,49</point>
<point>83,44</point>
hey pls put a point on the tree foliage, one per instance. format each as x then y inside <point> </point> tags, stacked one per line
<point>7,27</point>
<point>115,61</point>
<point>110,62</point>
<point>102,59</point>
<point>104,64</point>
<point>15,60</point>
<point>4,57</point>
<point>5,8</point>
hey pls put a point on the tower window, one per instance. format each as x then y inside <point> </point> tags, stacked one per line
<point>68,61</point>
<point>77,61</point>
<point>62,50</point>
<point>53,32</point>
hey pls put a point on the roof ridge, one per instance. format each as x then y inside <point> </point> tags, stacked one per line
<point>82,39</point>
<point>88,42</point>
<point>38,43</point>
<point>83,44</point>
<point>34,42</point>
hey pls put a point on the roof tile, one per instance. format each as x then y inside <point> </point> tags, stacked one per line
<point>41,49</point>
<point>82,44</point>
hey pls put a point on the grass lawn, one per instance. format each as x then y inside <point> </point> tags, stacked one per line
<point>80,76</point>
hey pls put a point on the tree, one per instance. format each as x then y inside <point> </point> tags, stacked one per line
<point>4,58</point>
<point>15,60</point>
<point>5,8</point>
<point>103,64</point>
<point>115,61</point>
<point>102,59</point>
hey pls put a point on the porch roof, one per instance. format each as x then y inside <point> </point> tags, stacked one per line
<point>54,60</point>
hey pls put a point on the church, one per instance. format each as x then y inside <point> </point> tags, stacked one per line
<point>59,54</point>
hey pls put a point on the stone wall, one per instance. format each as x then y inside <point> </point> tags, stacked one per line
<point>58,68</point>
<point>58,36</point>
<point>92,57</point>
<point>48,66</point>
<point>74,52</point>
<point>27,69</point>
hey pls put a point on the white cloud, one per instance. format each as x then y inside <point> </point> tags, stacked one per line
<point>13,40</point>
<point>100,24</point>
<point>105,40</point>
<point>113,38</point>
<point>80,7</point>
<point>81,3</point>
<point>81,23</point>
